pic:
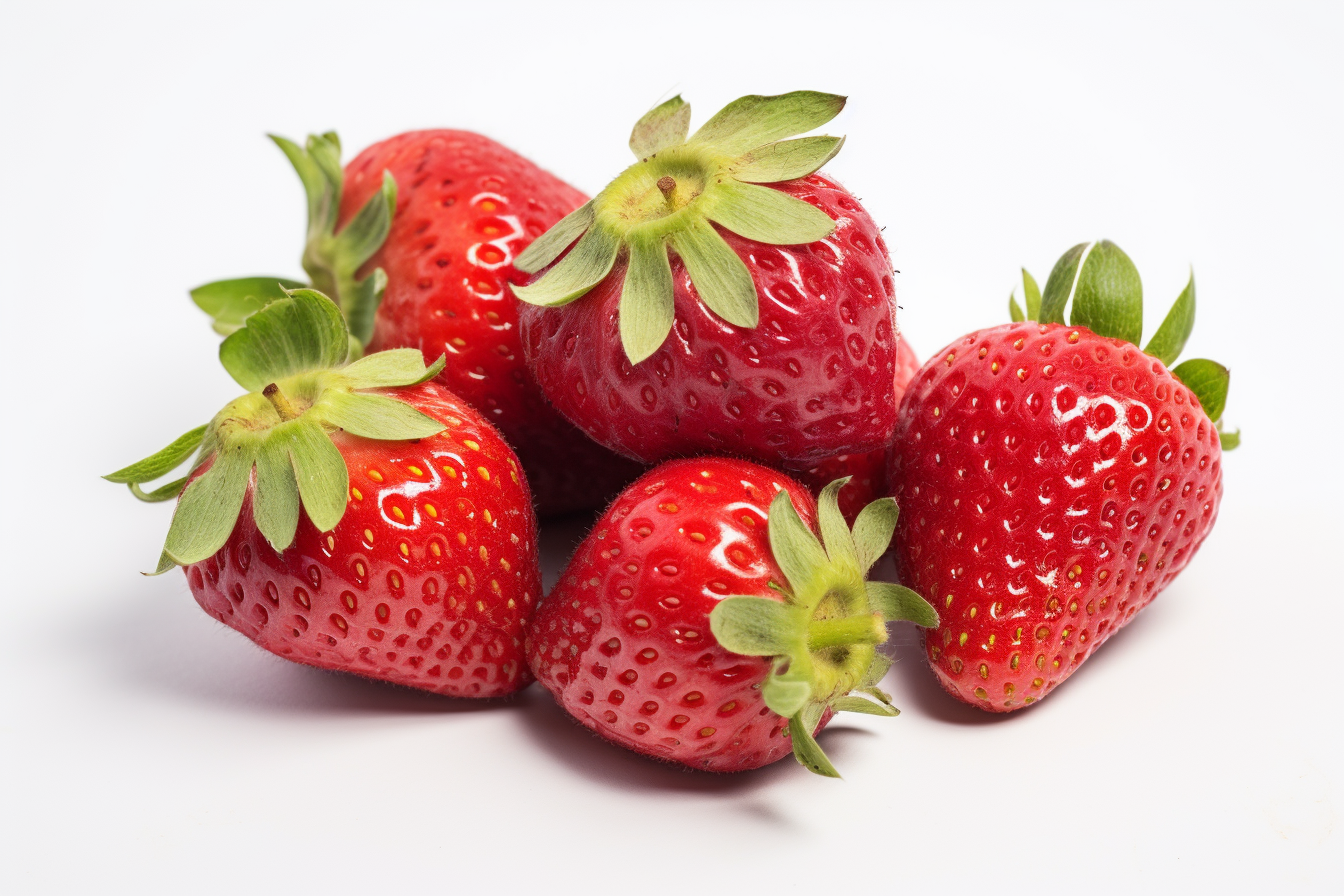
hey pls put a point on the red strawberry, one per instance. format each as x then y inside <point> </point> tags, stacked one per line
<point>658,357</point>
<point>867,472</point>
<point>386,530</point>
<point>428,226</point>
<point>1052,480</point>
<point>703,622</point>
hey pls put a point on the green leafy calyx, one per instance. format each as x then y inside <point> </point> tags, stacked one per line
<point>671,198</point>
<point>823,635</point>
<point>291,356</point>
<point>1099,287</point>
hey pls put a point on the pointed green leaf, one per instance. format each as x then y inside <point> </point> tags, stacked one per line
<point>162,493</point>
<point>361,305</point>
<point>646,310</point>
<point>317,188</point>
<point>1209,381</point>
<point>835,535</point>
<point>1031,294</point>
<point>165,563</point>
<point>368,229</point>
<point>583,268</point>
<point>320,470</point>
<point>1169,340</point>
<point>390,368</point>
<point>1229,440</point>
<point>767,215</point>
<point>275,499</point>
<point>873,529</point>
<point>807,751</point>
<point>859,704</point>
<point>756,626</point>
<point>1108,296</point>
<point>786,160</point>
<point>376,416</point>
<point>753,121</point>
<point>209,506</point>
<point>302,332</point>
<point>1059,286</point>
<point>794,546</point>
<point>547,247</point>
<point>785,696</point>
<point>1014,311</point>
<point>896,602</point>
<point>720,277</point>
<point>877,670</point>
<point>161,462</point>
<point>662,126</point>
<point>230,302</point>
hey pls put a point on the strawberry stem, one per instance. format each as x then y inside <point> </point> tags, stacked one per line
<point>279,402</point>
<point>845,631</point>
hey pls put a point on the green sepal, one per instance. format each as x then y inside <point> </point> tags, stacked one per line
<point>721,278</point>
<point>836,537</point>
<point>873,529</point>
<point>209,506</point>
<point>794,546</point>
<point>548,247</point>
<point>786,159</point>
<point>899,602</point>
<point>323,479</point>
<point>230,302</point>
<point>859,704</point>
<point>877,670</point>
<point>584,267</point>
<point>1014,310</point>
<point>376,416</point>
<point>755,626</point>
<point>662,126</point>
<point>165,563</point>
<point>1208,380</point>
<point>647,309</point>
<point>1031,296</point>
<point>162,493</point>
<point>769,216</point>
<point>806,749</point>
<point>1229,441</point>
<point>390,368</point>
<point>1060,284</point>
<point>304,331</point>
<point>1169,340</point>
<point>752,121</point>
<point>275,499</point>
<point>160,462</point>
<point>785,694</point>
<point>1108,294</point>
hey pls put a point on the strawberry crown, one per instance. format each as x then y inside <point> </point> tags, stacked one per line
<point>291,357</point>
<point>1100,287</point>
<point>672,197</point>
<point>331,259</point>
<point>823,636</point>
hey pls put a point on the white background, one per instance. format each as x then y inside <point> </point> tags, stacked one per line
<point>145,747</point>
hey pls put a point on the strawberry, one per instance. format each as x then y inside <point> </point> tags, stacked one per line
<point>702,621</point>
<point>867,472</point>
<point>353,517</point>
<point>415,240</point>
<point>801,376</point>
<point>1054,479</point>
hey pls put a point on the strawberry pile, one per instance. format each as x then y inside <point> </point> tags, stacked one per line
<point>708,349</point>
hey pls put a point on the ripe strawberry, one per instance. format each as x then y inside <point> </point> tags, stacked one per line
<point>702,622</point>
<point>415,240</point>
<point>801,376</point>
<point>414,559</point>
<point>867,472</point>
<point>1053,479</point>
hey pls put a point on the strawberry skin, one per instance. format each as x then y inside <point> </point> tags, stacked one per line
<point>624,640</point>
<point>466,206</point>
<point>812,379</point>
<point>426,581</point>
<point>1051,483</point>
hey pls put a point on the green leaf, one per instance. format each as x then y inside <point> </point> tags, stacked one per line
<point>873,529</point>
<point>302,332</point>
<point>1209,381</point>
<point>662,126</point>
<point>230,302</point>
<point>807,751</point>
<point>647,309</point>
<point>165,563</point>
<point>835,534</point>
<point>785,695</point>
<point>859,704</point>
<point>161,462</point>
<point>162,493</point>
<point>794,546</point>
<point>208,509</point>
<point>767,215</point>
<point>1014,310</point>
<point>317,187</point>
<point>547,247</point>
<point>361,307</point>
<point>753,121</point>
<point>583,268</point>
<point>786,160</point>
<point>320,470</point>
<point>1031,294</point>
<point>756,626</point>
<point>275,499</point>
<point>877,670</point>
<point>1108,295</point>
<point>1059,286</point>
<point>720,277</point>
<point>391,368</point>
<point>368,229</point>
<point>1169,340</point>
<point>1229,441</point>
<point>899,602</point>
<point>376,417</point>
